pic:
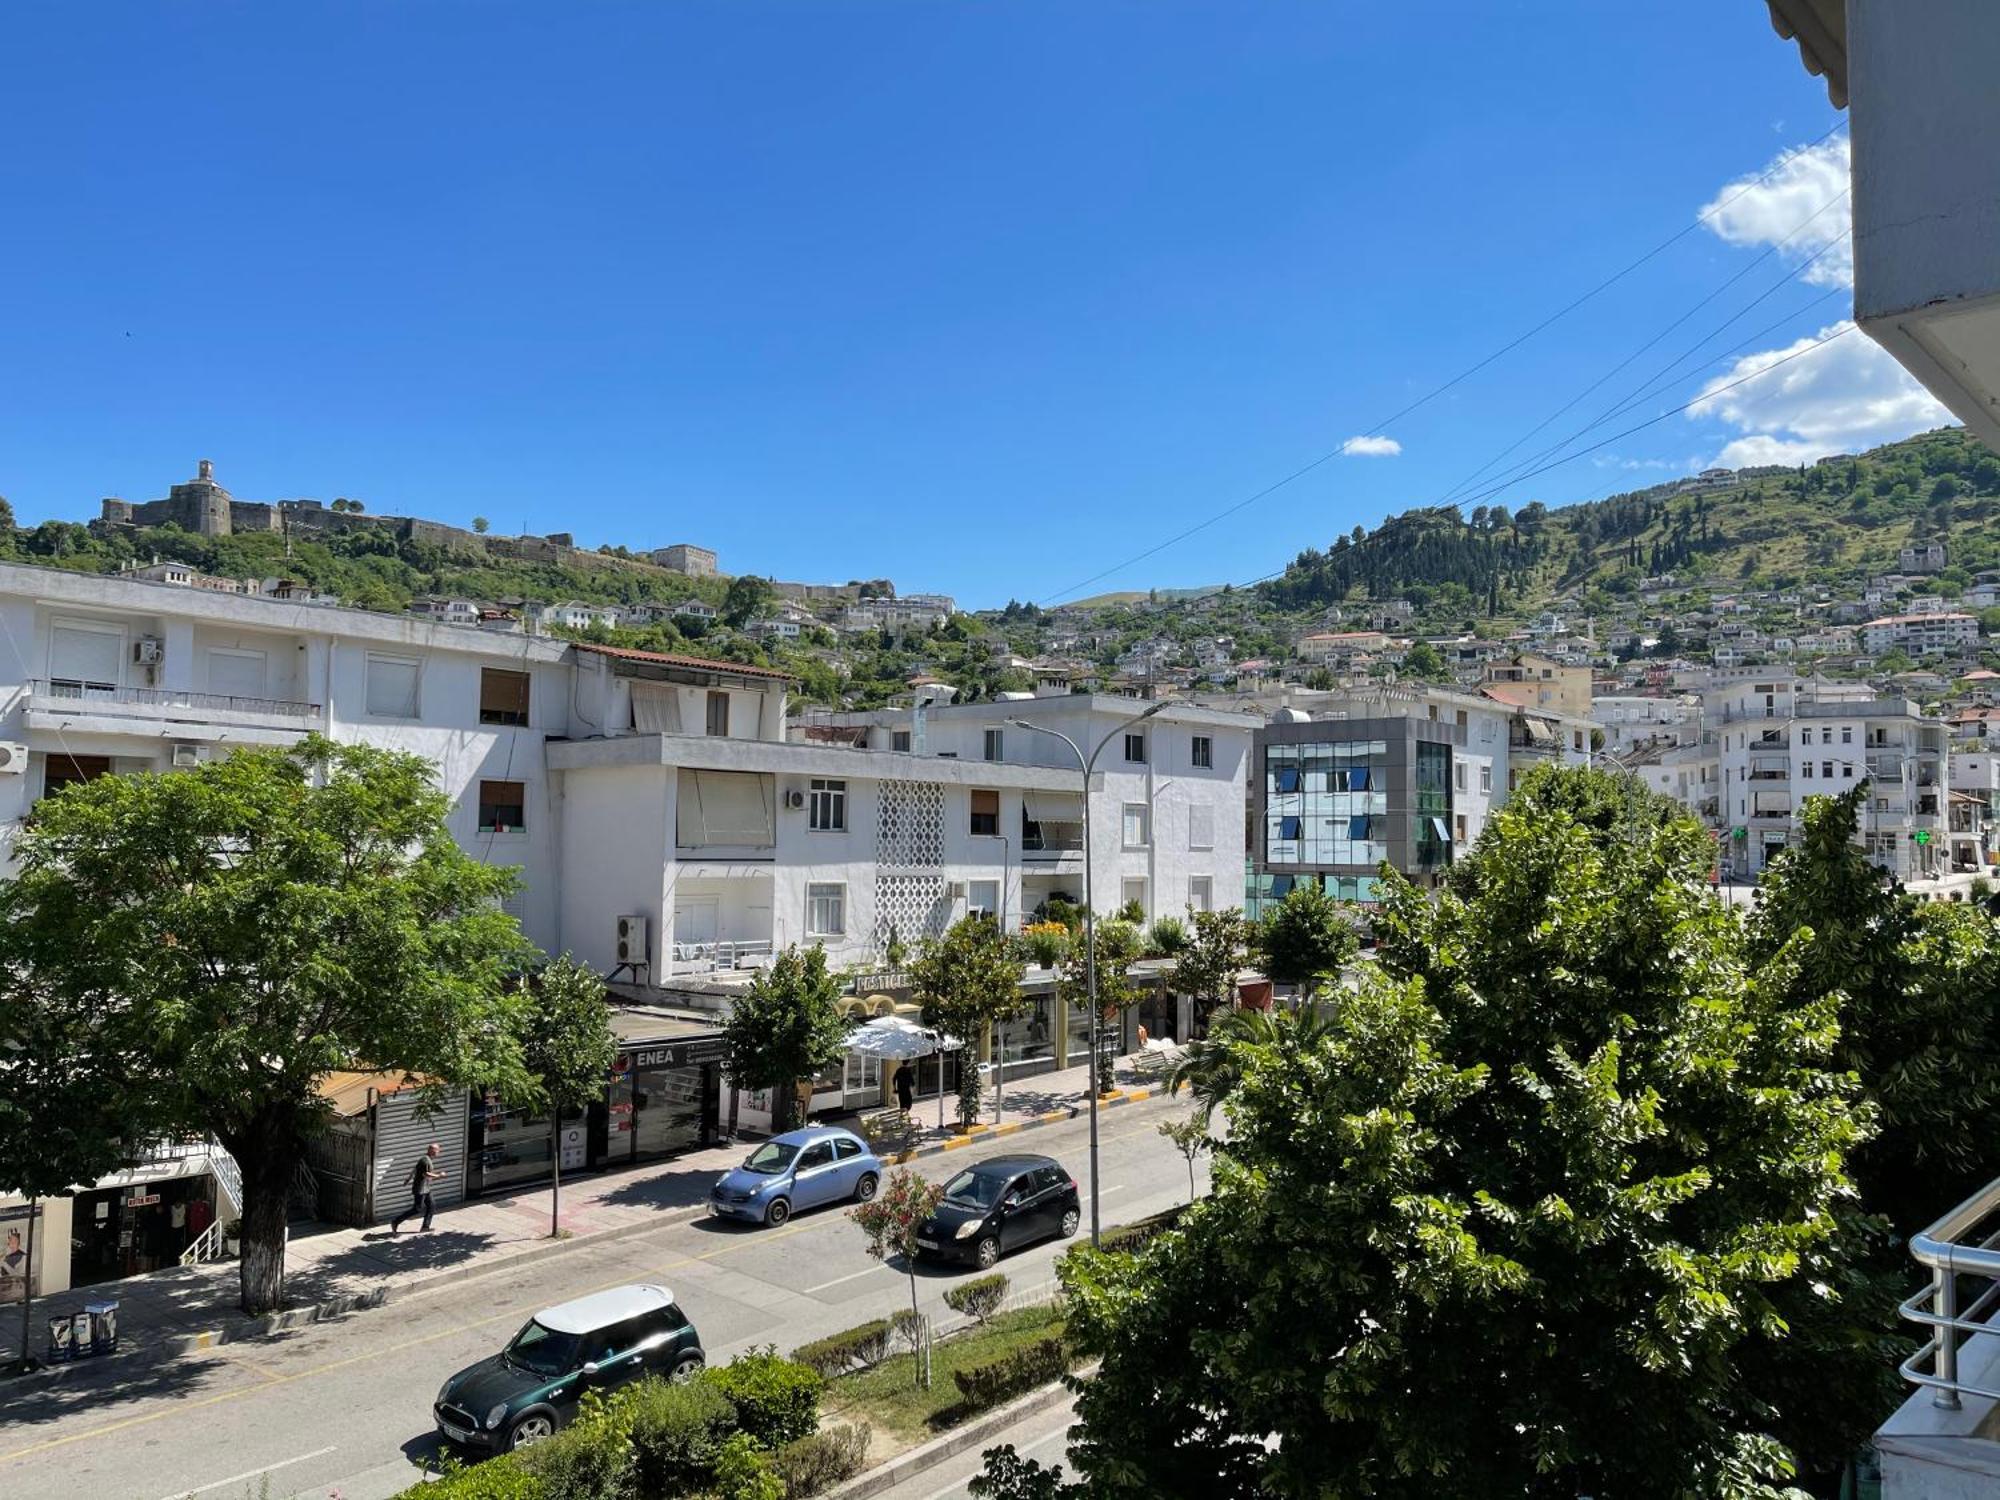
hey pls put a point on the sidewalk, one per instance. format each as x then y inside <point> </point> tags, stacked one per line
<point>332,1269</point>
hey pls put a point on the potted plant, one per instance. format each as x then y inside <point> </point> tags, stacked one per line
<point>232,1236</point>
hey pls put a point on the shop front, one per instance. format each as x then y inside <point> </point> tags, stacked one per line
<point>136,1227</point>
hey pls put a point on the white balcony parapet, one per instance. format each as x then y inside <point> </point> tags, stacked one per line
<point>98,698</point>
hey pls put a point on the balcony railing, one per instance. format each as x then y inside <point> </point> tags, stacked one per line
<point>1051,839</point>
<point>725,954</point>
<point>1964,1290</point>
<point>96,694</point>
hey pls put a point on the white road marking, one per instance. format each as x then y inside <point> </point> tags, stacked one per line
<point>853,1276</point>
<point>1107,1192</point>
<point>249,1474</point>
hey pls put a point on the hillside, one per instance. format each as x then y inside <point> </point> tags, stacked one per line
<point>1831,523</point>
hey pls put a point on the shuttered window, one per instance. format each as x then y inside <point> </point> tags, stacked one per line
<point>85,659</point>
<point>985,813</point>
<point>392,687</point>
<point>503,696</point>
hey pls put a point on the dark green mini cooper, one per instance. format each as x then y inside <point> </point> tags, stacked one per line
<point>596,1343</point>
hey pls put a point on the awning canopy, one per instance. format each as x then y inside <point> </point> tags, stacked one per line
<point>898,1037</point>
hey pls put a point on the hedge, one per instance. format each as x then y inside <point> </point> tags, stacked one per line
<point>1127,1239</point>
<point>677,1433</point>
<point>838,1353</point>
<point>820,1460</point>
<point>776,1400</point>
<point>497,1479</point>
<point>1011,1374</point>
<point>979,1298</point>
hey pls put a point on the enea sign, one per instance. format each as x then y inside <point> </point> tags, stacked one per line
<point>688,1054</point>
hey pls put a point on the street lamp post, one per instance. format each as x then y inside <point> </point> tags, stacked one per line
<point>1087,763</point>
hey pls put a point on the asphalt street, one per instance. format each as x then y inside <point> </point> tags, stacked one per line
<point>345,1405</point>
<point>1038,1436</point>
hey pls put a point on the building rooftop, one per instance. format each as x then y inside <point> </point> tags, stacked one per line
<point>693,663</point>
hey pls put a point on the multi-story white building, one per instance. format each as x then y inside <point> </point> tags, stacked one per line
<point>1632,720</point>
<point>1921,634</point>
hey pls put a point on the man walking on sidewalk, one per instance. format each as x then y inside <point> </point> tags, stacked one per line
<point>906,1085</point>
<point>422,1175</point>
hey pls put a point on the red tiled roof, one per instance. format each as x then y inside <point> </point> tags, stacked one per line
<point>1513,694</point>
<point>698,663</point>
<point>1916,619</point>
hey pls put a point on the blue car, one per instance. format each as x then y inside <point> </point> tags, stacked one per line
<point>799,1169</point>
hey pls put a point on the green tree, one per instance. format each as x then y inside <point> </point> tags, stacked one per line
<point>1562,1154</point>
<point>893,1218</point>
<point>481,525</point>
<point>568,1050</point>
<point>1307,939</point>
<point>1205,969</point>
<point>1423,662</point>
<point>967,981</point>
<point>748,598</point>
<point>236,932</point>
<point>1189,1137</point>
<point>786,1028</point>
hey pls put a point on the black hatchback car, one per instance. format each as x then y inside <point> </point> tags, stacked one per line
<point>1001,1205</point>
<point>597,1343</point>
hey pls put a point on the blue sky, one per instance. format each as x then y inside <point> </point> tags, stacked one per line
<point>985,298</point>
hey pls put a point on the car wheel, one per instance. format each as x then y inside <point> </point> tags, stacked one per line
<point>1070,1219</point>
<point>687,1367</point>
<point>865,1188</point>
<point>535,1427</point>
<point>988,1251</point>
<point>779,1211</point>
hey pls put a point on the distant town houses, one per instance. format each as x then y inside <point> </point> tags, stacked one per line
<point>1920,634</point>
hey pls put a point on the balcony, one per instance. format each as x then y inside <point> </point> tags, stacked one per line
<point>56,702</point>
<point>1047,840</point>
<point>722,956</point>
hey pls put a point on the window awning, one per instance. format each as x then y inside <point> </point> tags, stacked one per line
<point>656,709</point>
<point>725,807</point>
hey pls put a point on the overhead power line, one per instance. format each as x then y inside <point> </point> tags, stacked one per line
<point>1431,395</point>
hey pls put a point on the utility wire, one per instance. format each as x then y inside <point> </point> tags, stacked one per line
<point>1299,473</point>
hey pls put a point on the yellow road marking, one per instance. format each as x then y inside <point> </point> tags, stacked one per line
<point>126,1423</point>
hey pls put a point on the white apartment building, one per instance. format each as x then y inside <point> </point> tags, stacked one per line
<point>1779,741</point>
<point>1921,634</point>
<point>1632,720</point>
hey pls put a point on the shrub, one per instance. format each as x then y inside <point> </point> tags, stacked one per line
<point>677,1434</point>
<point>776,1400</point>
<point>1169,936</point>
<point>979,1298</point>
<point>591,1459</point>
<point>905,1328</point>
<point>744,1473</point>
<point>1047,943</point>
<point>499,1478</point>
<point>1008,1376</point>
<point>1128,1239</point>
<point>840,1352</point>
<point>1133,912</point>
<point>820,1460</point>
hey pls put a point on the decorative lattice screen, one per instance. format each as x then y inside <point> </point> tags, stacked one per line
<point>909,862</point>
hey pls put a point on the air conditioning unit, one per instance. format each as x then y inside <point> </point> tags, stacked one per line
<point>632,940</point>
<point>186,757</point>
<point>13,757</point>
<point>148,650</point>
<point>795,799</point>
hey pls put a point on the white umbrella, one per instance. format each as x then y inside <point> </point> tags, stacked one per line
<point>898,1037</point>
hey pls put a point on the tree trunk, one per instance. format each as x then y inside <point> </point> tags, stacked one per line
<point>555,1175</point>
<point>268,1155</point>
<point>782,1099</point>
<point>916,1329</point>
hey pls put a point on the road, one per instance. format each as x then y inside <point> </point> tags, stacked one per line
<point>1038,1436</point>
<point>345,1405</point>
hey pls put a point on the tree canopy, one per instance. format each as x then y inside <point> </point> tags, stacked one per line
<point>229,935</point>
<point>786,1028</point>
<point>1306,939</point>
<point>967,980</point>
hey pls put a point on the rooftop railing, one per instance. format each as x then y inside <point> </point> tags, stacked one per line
<point>103,693</point>
<point>1962,1252</point>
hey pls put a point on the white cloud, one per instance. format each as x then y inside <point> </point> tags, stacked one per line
<point>1371,447</point>
<point>1801,186</point>
<point>1839,398</point>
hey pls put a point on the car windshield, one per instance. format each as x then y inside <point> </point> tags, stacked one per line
<point>543,1351</point>
<point>770,1157</point>
<point>980,1189</point>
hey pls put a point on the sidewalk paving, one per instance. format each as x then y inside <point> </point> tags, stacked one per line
<point>332,1269</point>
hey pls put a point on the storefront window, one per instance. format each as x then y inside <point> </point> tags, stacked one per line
<point>515,1148</point>
<point>667,1110</point>
<point>1028,1037</point>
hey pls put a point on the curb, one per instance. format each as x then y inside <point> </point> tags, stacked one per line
<point>953,1443</point>
<point>334,1307</point>
<point>981,1133</point>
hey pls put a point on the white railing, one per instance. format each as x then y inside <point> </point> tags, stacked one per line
<point>91,692</point>
<point>728,953</point>
<point>207,1246</point>
<point>1955,1249</point>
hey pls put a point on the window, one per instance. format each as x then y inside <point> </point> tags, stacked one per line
<point>996,741</point>
<point>1847,734</point>
<point>236,674</point>
<point>1138,825</point>
<point>1203,753</point>
<point>1826,736</point>
<point>1847,770</point>
<point>1201,892</point>
<point>826,910</point>
<point>1359,828</point>
<point>1826,769</point>
<point>1806,773</point>
<point>1459,820</point>
<point>59,771</point>
<point>846,1149</point>
<point>503,696</point>
<point>84,658</point>
<point>899,739</point>
<point>502,806</point>
<point>985,814</point>
<point>718,715</point>
<point>1201,827</point>
<point>983,899</point>
<point>1133,889</point>
<point>1285,778</point>
<point>1486,778</point>
<point>392,686</point>
<point>827,806</point>
<point>1576,739</point>
<point>1458,774</point>
<point>819,1154</point>
<point>1135,749</point>
<point>1290,830</point>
